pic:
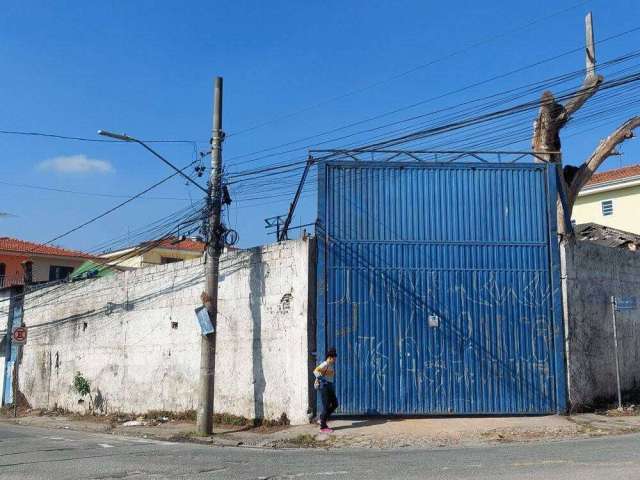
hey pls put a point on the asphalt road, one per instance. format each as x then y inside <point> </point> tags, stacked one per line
<point>35,453</point>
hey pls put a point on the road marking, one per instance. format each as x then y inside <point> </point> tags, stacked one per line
<point>539,463</point>
<point>105,445</point>
<point>153,442</point>
<point>460,467</point>
<point>298,475</point>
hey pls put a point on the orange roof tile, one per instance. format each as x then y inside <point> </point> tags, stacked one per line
<point>613,175</point>
<point>174,243</point>
<point>14,245</point>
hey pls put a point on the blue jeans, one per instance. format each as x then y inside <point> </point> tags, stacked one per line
<point>329,402</point>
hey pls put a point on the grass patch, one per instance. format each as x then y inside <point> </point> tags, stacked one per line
<point>187,415</point>
<point>235,420</point>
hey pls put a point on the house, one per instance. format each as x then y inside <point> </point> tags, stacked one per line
<point>156,252</point>
<point>611,199</point>
<point>28,262</point>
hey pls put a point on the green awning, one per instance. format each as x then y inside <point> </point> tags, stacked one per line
<point>91,269</point>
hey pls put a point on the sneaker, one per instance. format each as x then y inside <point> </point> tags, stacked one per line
<point>326,430</point>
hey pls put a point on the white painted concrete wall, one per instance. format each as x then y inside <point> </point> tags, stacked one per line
<point>146,356</point>
<point>594,274</point>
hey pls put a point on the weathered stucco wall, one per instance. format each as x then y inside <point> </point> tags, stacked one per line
<point>135,338</point>
<point>594,274</point>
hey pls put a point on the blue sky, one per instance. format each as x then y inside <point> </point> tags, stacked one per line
<point>147,68</point>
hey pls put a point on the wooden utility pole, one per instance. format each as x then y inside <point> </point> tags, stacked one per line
<point>212,265</point>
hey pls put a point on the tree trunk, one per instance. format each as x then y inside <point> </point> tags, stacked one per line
<point>552,117</point>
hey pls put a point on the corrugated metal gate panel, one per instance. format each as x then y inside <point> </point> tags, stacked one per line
<point>437,287</point>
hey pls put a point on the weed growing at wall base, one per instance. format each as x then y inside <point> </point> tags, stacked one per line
<point>81,385</point>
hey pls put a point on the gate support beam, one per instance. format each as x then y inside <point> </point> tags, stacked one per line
<point>292,208</point>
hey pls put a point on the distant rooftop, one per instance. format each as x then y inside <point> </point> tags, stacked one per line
<point>614,175</point>
<point>175,243</point>
<point>24,247</point>
<point>607,236</point>
<point>169,243</point>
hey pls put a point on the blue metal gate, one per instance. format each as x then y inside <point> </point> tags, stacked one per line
<point>439,286</point>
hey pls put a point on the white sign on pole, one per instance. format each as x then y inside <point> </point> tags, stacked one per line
<point>625,303</point>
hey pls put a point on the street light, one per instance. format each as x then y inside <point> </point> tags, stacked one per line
<point>126,138</point>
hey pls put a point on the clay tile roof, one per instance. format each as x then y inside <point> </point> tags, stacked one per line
<point>177,244</point>
<point>613,175</point>
<point>30,248</point>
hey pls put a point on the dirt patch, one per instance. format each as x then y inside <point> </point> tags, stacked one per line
<point>22,407</point>
<point>304,440</point>
<point>629,411</point>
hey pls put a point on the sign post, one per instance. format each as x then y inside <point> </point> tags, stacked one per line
<point>614,307</point>
<point>619,304</point>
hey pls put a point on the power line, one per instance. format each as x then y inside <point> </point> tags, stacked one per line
<point>85,139</point>
<point>88,194</point>
<point>149,231</point>
<point>601,66</point>
<point>611,101</point>
<point>410,71</point>
<point>106,263</point>
<point>116,207</point>
<point>458,123</point>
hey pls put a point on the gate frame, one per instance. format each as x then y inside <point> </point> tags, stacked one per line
<point>550,172</point>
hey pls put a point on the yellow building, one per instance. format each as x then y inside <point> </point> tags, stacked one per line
<point>612,199</point>
<point>168,250</point>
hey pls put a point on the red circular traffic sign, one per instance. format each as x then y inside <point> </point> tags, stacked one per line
<point>20,335</point>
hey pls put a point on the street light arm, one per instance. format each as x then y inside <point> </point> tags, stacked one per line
<point>127,138</point>
<point>187,177</point>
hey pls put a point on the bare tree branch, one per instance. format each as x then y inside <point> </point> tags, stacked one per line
<point>599,155</point>
<point>588,89</point>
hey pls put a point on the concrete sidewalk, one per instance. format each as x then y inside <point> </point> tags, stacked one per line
<point>360,433</point>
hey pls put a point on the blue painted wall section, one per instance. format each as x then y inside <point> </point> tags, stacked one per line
<point>439,286</point>
<point>15,321</point>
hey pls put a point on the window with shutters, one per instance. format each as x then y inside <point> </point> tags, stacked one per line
<point>607,208</point>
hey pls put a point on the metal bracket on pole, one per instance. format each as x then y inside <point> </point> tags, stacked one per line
<point>292,208</point>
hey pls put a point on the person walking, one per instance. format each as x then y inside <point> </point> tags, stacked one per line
<point>325,376</point>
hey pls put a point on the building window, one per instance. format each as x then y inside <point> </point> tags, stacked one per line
<point>607,207</point>
<point>164,260</point>
<point>59,273</point>
<point>27,267</point>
